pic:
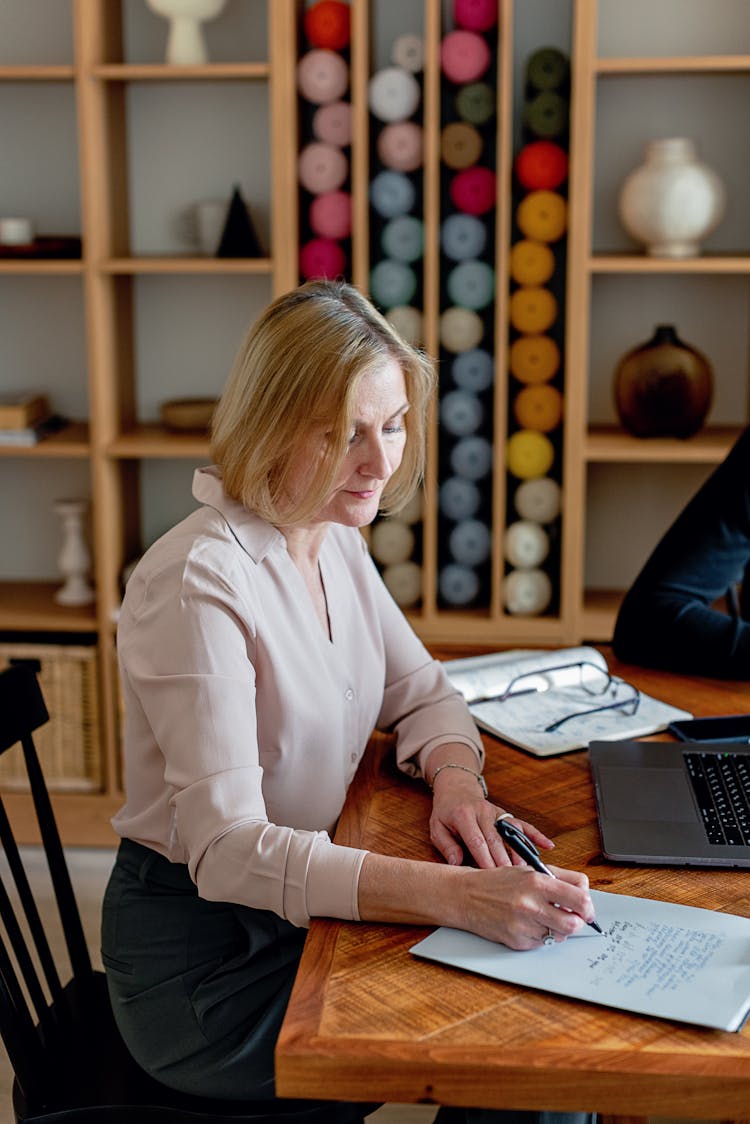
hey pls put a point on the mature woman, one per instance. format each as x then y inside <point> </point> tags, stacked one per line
<point>258,650</point>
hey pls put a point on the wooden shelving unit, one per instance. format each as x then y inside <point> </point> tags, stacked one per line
<point>115,441</point>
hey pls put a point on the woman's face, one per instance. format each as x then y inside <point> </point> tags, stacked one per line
<point>376,446</point>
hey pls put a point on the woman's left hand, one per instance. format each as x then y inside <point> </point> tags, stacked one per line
<point>462,820</point>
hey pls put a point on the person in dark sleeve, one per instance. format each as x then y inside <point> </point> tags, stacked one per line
<point>673,616</point>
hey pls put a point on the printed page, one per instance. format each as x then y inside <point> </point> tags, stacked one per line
<point>654,958</point>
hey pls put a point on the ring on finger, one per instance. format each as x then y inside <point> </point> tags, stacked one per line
<point>549,937</point>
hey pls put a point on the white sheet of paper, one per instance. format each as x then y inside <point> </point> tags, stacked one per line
<point>654,958</point>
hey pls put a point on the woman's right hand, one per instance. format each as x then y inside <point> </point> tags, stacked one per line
<point>520,907</point>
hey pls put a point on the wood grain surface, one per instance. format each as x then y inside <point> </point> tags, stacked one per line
<point>367,1021</point>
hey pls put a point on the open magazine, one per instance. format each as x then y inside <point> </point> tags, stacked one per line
<point>555,701</point>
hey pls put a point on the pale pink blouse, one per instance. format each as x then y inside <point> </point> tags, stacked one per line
<point>245,723</point>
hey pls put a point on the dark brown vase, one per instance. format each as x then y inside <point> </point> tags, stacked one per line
<point>664,387</point>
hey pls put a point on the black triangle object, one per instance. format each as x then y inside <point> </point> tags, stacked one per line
<point>238,238</point>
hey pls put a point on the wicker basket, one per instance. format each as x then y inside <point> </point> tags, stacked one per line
<point>69,745</point>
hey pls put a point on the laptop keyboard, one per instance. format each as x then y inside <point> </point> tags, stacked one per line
<point>721,783</point>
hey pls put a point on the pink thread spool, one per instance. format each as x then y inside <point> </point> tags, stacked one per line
<point>464,56</point>
<point>322,167</point>
<point>400,146</point>
<point>322,76</point>
<point>321,257</point>
<point>473,190</point>
<point>331,215</point>
<point>332,123</point>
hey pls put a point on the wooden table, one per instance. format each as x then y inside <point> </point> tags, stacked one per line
<point>369,1022</point>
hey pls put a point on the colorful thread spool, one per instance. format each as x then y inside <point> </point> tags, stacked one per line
<point>534,359</point>
<point>475,15</point>
<point>546,115</point>
<point>464,56</point>
<point>462,237</point>
<point>541,164</point>
<point>460,145</point>
<point>526,544</point>
<point>322,167</point>
<point>532,309</point>
<point>408,323</point>
<point>538,407</point>
<point>471,457</point>
<point>531,263</point>
<point>543,216</point>
<point>473,190</point>
<point>547,69</point>
<point>461,413</point>
<point>404,583</point>
<point>400,146</point>
<point>539,500</point>
<point>471,284</point>
<point>408,52</point>
<point>475,103</point>
<point>529,454</point>
<point>473,370</point>
<point>322,76</point>
<point>331,215</point>
<point>470,542</point>
<point>327,24</point>
<point>391,541</point>
<point>459,498</point>
<point>321,257</point>
<point>461,329</point>
<point>403,238</point>
<point>527,592</point>
<point>458,585</point>
<point>392,193</point>
<point>393,94</point>
<point>332,123</point>
<point>392,283</point>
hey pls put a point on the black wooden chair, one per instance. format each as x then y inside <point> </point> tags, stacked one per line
<point>69,1061</point>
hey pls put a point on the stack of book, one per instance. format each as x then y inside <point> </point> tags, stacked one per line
<point>25,418</point>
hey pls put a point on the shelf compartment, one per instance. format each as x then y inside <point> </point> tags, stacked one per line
<point>72,441</point>
<point>31,607</point>
<point>153,440</point>
<point>178,264</point>
<point>611,445</point>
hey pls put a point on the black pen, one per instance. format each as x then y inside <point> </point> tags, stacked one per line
<point>525,849</point>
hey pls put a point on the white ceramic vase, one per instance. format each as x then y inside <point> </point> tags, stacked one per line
<point>185,43</point>
<point>74,559</point>
<point>672,201</point>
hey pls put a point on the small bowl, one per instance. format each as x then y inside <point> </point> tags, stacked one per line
<point>188,413</point>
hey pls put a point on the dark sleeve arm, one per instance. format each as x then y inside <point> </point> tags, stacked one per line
<point>666,619</point>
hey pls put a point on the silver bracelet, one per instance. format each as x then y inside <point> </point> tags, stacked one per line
<point>451,765</point>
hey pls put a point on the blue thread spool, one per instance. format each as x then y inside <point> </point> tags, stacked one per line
<point>458,585</point>
<point>470,542</point>
<point>403,238</point>
<point>461,413</point>
<point>472,457</point>
<point>473,370</point>
<point>392,283</point>
<point>471,284</point>
<point>392,193</point>
<point>459,498</point>
<point>463,237</point>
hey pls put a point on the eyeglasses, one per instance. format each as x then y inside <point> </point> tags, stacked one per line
<point>588,677</point>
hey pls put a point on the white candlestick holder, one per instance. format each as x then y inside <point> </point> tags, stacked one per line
<point>74,559</point>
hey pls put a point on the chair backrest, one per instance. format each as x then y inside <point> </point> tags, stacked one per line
<point>35,1012</point>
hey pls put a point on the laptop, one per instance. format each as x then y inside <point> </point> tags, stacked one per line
<point>684,804</point>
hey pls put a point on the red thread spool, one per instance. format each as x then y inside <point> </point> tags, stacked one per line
<point>327,24</point>
<point>321,257</point>
<point>475,15</point>
<point>331,215</point>
<point>473,190</point>
<point>541,165</point>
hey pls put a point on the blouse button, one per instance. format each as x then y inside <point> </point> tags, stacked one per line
<point>352,757</point>
<point>349,695</point>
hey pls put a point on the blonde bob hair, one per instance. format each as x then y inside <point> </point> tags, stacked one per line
<point>295,378</point>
